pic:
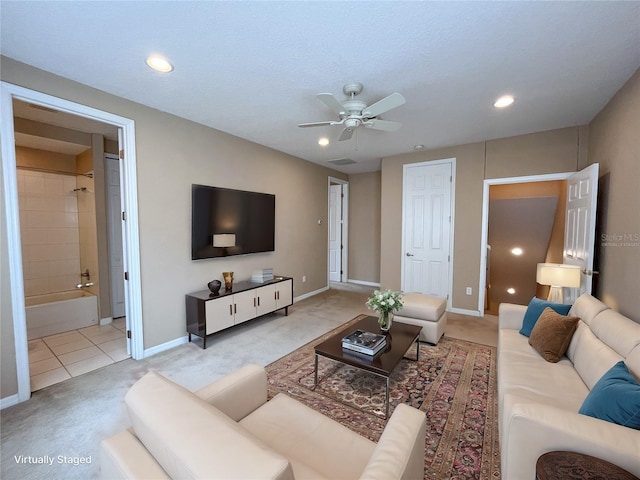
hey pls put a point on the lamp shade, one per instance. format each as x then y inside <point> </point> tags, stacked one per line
<point>224,240</point>
<point>558,275</point>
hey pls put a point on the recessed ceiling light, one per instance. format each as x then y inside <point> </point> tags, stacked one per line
<point>504,101</point>
<point>516,251</point>
<point>511,291</point>
<point>159,64</point>
<point>324,141</point>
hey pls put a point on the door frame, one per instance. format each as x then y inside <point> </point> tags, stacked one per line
<point>548,177</point>
<point>344,258</point>
<point>452,220</point>
<point>131,246</point>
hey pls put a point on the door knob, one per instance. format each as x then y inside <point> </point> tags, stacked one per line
<point>409,254</point>
<point>589,272</point>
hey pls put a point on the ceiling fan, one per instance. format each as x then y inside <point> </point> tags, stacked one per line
<point>354,113</point>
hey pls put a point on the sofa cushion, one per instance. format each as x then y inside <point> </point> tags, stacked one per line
<point>552,333</point>
<point>522,371</point>
<point>535,309</point>
<point>191,439</point>
<point>591,357</point>
<point>615,398</point>
<point>309,439</point>
<point>587,307</point>
<point>617,331</point>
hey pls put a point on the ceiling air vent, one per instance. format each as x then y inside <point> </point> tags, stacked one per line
<point>342,161</point>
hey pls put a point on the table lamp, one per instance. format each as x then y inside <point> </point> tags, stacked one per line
<point>557,276</point>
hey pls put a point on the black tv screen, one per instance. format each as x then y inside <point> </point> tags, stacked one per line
<point>231,222</point>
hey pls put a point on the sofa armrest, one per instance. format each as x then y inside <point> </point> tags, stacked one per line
<point>510,315</point>
<point>238,393</point>
<point>534,429</point>
<point>400,452</point>
<point>123,456</point>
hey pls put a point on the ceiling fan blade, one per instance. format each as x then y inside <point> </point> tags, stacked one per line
<point>315,124</point>
<point>331,102</point>
<point>383,125</point>
<point>387,103</point>
<point>346,134</point>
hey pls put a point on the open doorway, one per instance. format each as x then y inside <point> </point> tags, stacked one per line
<point>81,181</point>
<point>64,189</point>
<point>506,237</point>
<point>526,226</point>
<point>338,229</point>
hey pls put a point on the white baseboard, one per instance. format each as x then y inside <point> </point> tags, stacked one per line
<point>9,401</point>
<point>362,282</point>
<point>462,311</point>
<point>310,294</point>
<point>182,340</point>
<point>148,352</point>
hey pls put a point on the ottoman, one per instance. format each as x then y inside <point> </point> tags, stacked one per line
<point>426,311</point>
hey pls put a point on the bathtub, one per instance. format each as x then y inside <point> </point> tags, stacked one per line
<point>60,312</point>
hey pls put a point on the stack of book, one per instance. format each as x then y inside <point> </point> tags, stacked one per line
<point>262,276</point>
<point>364,342</point>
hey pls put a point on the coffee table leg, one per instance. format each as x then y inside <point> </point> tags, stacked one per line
<point>386,415</point>
<point>315,374</point>
<point>417,350</point>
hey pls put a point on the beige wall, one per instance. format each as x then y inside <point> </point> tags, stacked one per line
<point>172,153</point>
<point>468,218</point>
<point>614,143</point>
<point>364,227</point>
<point>539,153</point>
<point>8,375</point>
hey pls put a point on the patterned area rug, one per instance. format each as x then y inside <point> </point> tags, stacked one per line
<point>454,383</point>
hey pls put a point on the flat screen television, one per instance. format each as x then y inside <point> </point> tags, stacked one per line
<point>228,222</point>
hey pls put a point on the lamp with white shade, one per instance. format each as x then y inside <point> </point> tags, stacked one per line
<point>557,276</point>
<point>224,240</point>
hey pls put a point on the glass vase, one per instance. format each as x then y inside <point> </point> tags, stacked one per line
<point>384,320</point>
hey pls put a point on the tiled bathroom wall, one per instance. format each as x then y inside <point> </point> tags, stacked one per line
<point>49,232</point>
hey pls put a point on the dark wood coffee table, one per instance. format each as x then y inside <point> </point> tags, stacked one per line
<point>399,340</point>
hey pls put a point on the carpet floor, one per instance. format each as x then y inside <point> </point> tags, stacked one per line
<point>454,383</point>
<point>72,417</point>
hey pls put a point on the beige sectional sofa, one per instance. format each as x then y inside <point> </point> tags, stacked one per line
<point>228,430</point>
<point>539,401</point>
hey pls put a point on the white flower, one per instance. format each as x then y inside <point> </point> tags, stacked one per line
<point>385,302</point>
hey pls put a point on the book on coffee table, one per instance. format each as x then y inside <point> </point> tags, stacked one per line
<point>364,342</point>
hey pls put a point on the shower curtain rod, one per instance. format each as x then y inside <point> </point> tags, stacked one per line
<point>59,172</point>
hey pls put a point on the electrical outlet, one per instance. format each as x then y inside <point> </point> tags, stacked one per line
<point>304,278</point>
<point>469,291</point>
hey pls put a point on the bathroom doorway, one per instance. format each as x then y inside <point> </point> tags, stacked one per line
<point>82,201</point>
<point>66,178</point>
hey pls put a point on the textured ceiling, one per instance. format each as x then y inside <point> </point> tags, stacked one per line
<point>252,68</point>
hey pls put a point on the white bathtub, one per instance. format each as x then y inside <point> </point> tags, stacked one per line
<point>60,312</point>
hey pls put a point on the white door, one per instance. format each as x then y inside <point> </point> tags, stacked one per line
<point>114,225</point>
<point>426,252</point>
<point>335,233</point>
<point>580,227</point>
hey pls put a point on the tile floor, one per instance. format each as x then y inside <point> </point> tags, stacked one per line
<point>58,357</point>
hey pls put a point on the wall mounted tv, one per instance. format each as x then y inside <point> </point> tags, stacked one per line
<point>228,222</point>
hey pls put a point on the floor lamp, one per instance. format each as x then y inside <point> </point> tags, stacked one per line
<point>557,276</point>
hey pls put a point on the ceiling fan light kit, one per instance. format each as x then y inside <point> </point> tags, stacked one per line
<point>354,113</point>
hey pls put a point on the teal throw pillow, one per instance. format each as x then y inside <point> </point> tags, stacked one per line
<point>535,309</point>
<point>615,398</point>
